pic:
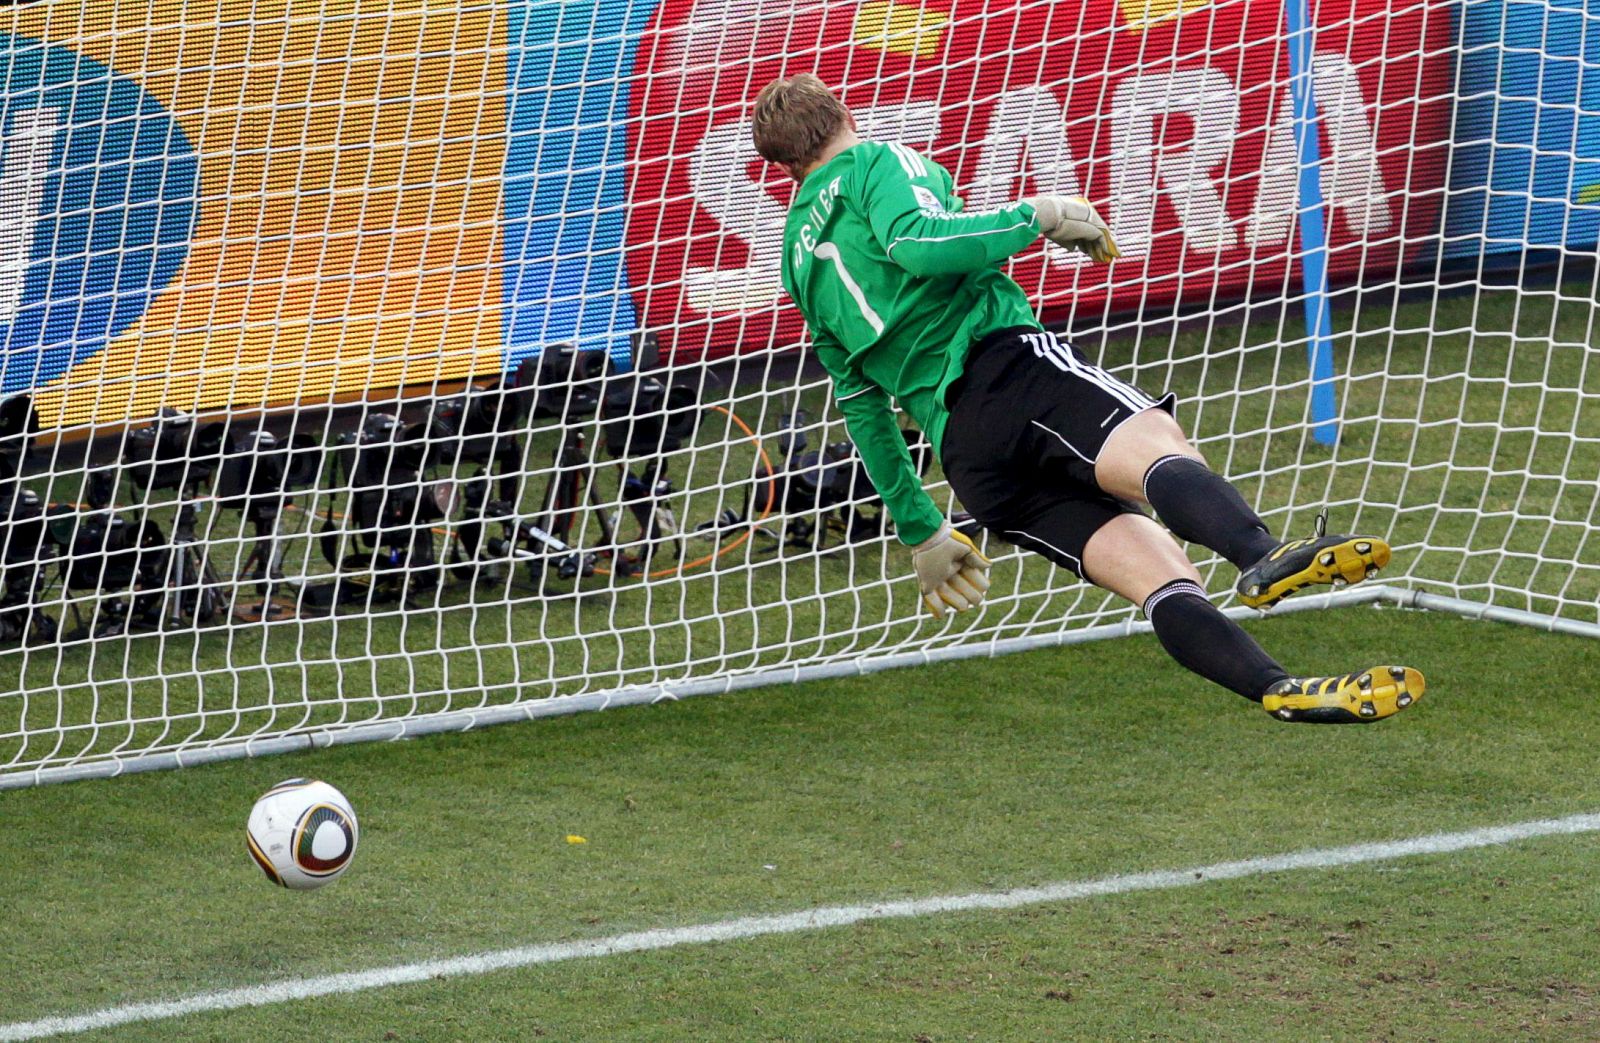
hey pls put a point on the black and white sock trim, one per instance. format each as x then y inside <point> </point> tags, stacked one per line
<point>1148,471</point>
<point>1177,588</point>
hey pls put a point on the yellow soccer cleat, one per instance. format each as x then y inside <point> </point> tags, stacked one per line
<point>1321,559</point>
<point>1362,698</point>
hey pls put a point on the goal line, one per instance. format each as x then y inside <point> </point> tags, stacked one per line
<point>794,922</point>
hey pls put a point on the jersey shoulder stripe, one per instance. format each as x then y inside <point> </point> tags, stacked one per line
<point>905,163</point>
<point>910,162</point>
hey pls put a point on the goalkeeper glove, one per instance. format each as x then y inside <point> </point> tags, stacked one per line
<point>1073,222</point>
<point>950,571</point>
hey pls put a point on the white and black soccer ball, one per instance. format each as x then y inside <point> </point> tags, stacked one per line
<point>302,833</point>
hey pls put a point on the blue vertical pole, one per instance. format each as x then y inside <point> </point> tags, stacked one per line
<point>1312,224</point>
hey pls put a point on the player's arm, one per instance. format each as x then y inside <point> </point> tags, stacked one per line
<point>870,418</point>
<point>906,200</point>
<point>951,573</point>
<point>918,221</point>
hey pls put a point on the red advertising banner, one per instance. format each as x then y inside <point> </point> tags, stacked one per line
<point>1172,115</point>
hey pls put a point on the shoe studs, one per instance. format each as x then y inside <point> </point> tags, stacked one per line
<point>1405,698</point>
<point>1372,571</point>
<point>1348,698</point>
<point>1363,548</point>
<point>1340,581</point>
<point>1327,559</point>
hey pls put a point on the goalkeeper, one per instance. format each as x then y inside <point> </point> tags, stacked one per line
<point>900,291</point>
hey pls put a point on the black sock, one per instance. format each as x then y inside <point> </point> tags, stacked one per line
<point>1199,505</point>
<point>1200,637</point>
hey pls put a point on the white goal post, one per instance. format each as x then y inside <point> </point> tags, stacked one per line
<point>381,367</point>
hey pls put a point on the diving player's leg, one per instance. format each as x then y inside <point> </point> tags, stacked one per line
<point>1092,426</point>
<point>1132,556</point>
<point>1148,459</point>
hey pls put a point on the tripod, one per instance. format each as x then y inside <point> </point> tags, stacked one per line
<point>192,587</point>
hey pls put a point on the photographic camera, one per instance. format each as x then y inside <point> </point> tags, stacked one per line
<point>564,381</point>
<point>645,416</point>
<point>18,426</point>
<point>834,481</point>
<point>392,504</point>
<point>27,545</point>
<point>483,425</point>
<point>24,537</point>
<point>256,471</point>
<point>256,475</point>
<point>123,559</point>
<point>171,452</point>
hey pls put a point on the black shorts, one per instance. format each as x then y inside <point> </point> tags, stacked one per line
<point>1028,419</point>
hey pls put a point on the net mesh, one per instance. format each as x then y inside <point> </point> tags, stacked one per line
<point>377,359</point>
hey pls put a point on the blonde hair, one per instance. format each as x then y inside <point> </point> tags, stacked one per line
<point>794,119</point>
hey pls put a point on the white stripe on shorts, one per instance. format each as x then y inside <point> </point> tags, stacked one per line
<point>1045,543</point>
<point>1121,390</point>
<point>1041,348</point>
<point>1059,437</point>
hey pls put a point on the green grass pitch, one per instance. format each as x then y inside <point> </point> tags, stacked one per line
<point>1469,433</point>
<point>1058,765</point>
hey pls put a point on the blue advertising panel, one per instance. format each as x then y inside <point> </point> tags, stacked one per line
<point>1527,162</point>
<point>569,71</point>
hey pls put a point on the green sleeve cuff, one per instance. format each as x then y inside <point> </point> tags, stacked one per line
<point>920,526</point>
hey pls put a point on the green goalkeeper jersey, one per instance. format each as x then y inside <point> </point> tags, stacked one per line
<point>896,284</point>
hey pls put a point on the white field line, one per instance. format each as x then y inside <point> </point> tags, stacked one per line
<point>788,923</point>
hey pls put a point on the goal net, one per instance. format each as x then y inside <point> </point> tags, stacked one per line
<point>378,367</point>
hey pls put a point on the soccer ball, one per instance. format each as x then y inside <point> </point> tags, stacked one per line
<point>302,833</point>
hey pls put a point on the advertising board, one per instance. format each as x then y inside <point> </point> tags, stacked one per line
<point>1175,119</point>
<point>214,203</point>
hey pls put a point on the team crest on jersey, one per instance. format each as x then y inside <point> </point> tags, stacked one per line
<point>927,200</point>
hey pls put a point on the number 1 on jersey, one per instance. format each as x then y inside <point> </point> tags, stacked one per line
<point>830,252</point>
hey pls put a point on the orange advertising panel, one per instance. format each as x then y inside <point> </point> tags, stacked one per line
<point>248,204</point>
